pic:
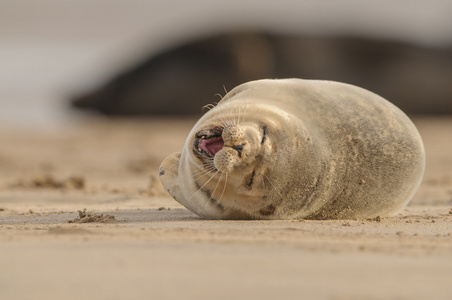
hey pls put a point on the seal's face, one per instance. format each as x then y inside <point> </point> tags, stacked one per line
<point>227,149</point>
<point>234,160</point>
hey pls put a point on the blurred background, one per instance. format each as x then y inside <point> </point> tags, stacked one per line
<point>53,52</point>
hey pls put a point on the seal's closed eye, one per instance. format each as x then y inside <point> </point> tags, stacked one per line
<point>264,133</point>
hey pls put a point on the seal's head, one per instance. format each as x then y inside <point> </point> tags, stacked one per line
<point>233,161</point>
<point>232,148</point>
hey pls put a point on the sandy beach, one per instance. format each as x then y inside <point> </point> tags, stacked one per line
<point>83,215</point>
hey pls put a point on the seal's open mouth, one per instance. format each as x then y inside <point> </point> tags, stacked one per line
<point>209,142</point>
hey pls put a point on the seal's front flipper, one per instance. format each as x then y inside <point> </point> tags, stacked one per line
<point>169,176</point>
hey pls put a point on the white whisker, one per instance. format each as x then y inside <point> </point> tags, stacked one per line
<point>199,175</point>
<point>211,195</point>
<point>274,187</point>
<point>225,91</point>
<point>204,185</point>
<point>238,117</point>
<point>224,188</point>
<point>202,173</point>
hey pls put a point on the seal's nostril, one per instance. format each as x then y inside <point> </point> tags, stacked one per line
<point>239,149</point>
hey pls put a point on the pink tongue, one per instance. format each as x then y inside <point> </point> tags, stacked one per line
<point>211,146</point>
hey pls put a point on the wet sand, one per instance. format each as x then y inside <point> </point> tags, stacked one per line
<point>141,244</point>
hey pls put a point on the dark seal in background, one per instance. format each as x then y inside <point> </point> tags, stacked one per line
<point>180,81</point>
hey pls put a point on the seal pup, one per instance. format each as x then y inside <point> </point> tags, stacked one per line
<point>292,149</point>
<point>199,66</point>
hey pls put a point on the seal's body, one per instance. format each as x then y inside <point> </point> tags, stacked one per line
<point>292,148</point>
